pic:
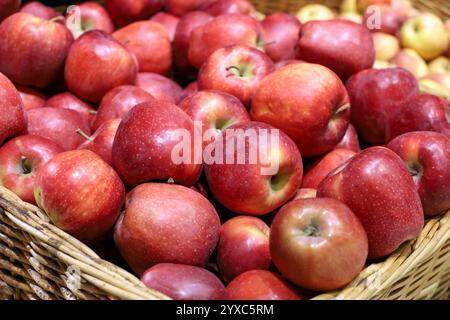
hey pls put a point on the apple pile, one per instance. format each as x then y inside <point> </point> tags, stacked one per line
<point>91,99</point>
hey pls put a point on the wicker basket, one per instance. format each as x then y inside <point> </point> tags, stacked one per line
<point>39,261</point>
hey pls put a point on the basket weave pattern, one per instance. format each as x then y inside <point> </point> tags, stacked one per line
<point>39,261</point>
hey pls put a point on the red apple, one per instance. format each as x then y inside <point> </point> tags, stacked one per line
<point>319,169</point>
<point>184,218</point>
<point>31,98</point>
<point>281,35</point>
<point>19,159</point>
<point>13,119</point>
<point>182,7</point>
<point>192,88</point>
<point>101,141</point>
<point>8,7</point>
<point>343,46</point>
<point>183,32</point>
<point>376,93</point>
<point>184,282</point>
<point>96,64</point>
<point>253,185</point>
<point>261,285</point>
<point>168,21</point>
<point>382,18</point>
<point>318,244</point>
<point>160,87</point>
<point>215,110</point>
<point>424,112</point>
<point>234,29</point>
<point>33,50</point>
<point>80,192</point>
<point>427,156</point>
<point>305,193</point>
<point>58,125</point>
<point>350,140</point>
<point>117,102</point>
<point>40,10</point>
<point>88,16</point>
<point>144,144</point>
<point>308,102</point>
<point>243,237</point>
<point>124,12</point>
<point>218,8</point>
<point>66,100</point>
<point>236,70</point>
<point>376,185</point>
<point>150,42</point>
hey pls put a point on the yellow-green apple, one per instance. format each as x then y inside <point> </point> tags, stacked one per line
<point>410,60</point>
<point>67,100</point>
<point>314,12</point>
<point>144,144</point>
<point>218,8</point>
<point>19,159</point>
<point>187,23</point>
<point>124,12</point>
<point>168,21</point>
<point>305,193</point>
<point>235,29</point>
<point>308,102</point>
<point>182,7</point>
<point>97,63</point>
<point>8,7</point>
<point>351,16</point>
<point>33,50</point>
<point>184,282</point>
<point>184,218</point>
<point>439,65</point>
<point>425,112</point>
<point>40,10</point>
<point>236,70</point>
<point>150,42</point>
<point>350,140</point>
<point>117,102</point>
<point>386,46</point>
<point>88,16</point>
<point>318,244</point>
<point>58,125</point>
<point>280,31</point>
<point>252,184</point>
<point>425,33</point>
<point>341,45</point>
<point>31,98</point>
<point>427,155</point>
<point>243,237</point>
<point>377,186</point>
<point>261,285</point>
<point>101,141</point>
<point>319,169</point>
<point>13,118</point>
<point>160,87</point>
<point>376,93</point>
<point>382,18</point>
<point>80,193</point>
<point>215,110</point>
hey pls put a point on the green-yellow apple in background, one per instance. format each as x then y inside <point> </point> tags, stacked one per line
<point>312,12</point>
<point>386,46</point>
<point>425,33</point>
<point>440,65</point>
<point>411,61</point>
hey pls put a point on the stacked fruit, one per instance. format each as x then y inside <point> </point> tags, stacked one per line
<point>205,186</point>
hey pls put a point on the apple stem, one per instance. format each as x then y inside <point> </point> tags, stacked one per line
<point>83,134</point>
<point>234,68</point>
